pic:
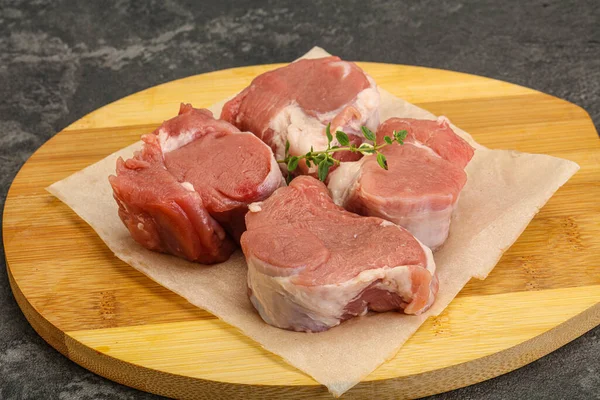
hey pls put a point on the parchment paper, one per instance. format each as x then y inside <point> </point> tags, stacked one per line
<point>505,189</point>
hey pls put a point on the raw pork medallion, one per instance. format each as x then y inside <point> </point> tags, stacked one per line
<point>312,264</point>
<point>296,102</point>
<point>186,192</point>
<point>422,185</point>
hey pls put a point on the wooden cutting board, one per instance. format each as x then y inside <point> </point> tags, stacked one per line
<point>111,319</point>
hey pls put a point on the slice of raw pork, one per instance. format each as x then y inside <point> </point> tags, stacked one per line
<point>312,264</point>
<point>186,192</point>
<point>422,185</point>
<point>296,102</point>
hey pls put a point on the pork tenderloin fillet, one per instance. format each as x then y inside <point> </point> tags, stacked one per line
<point>312,264</point>
<point>296,102</point>
<point>186,192</point>
<point>421,187</point>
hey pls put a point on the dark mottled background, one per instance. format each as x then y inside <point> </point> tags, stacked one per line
<point>60,60</point>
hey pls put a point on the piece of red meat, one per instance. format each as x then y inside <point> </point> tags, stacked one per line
<point>421,186</point>
<point>312,264</point>
<point>434,134</point>
<point>296,102</point>
<point>186,192</point>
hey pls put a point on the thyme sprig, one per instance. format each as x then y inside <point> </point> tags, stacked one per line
<point>323,159</point>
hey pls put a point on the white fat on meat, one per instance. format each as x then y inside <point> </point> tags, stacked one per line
<point>170,142</point>
<point>342,181</point>
<point>188,186</point>
<point>255,207</point>
<point>317,308</point>
<point>299,128</point>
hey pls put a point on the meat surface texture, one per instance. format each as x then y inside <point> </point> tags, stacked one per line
<point>186,192</point>
<point>296,102</point>
<point>422,185</point>
<point>312,264</point>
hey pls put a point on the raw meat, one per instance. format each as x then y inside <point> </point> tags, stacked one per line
<point>186,192</point>
<point>422,185</point>
<point>296,102</point>
<point>434,134</point>
<point>312,264</point>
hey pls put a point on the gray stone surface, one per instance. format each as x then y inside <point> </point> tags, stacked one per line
<point>60,60</point>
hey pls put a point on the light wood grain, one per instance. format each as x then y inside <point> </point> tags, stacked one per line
<point>428,348</point>
<point>111,319</point>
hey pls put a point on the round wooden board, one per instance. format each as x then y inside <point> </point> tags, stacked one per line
<point>111,319</point>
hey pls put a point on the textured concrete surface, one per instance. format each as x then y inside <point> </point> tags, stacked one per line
<point>62,59</point>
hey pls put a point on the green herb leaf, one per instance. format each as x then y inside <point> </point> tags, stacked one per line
<point>292,163</point>
<point>324,169</point>
<point>287,147</point>
<point>342,138</point>
<point>368,133</point>
<point>388,139</point>
<point>308,163</point>
<point>289,178</point>
<point>328,133</point>
<point>319,158</point>
<point>400,135</point>
<point>381,160</point>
